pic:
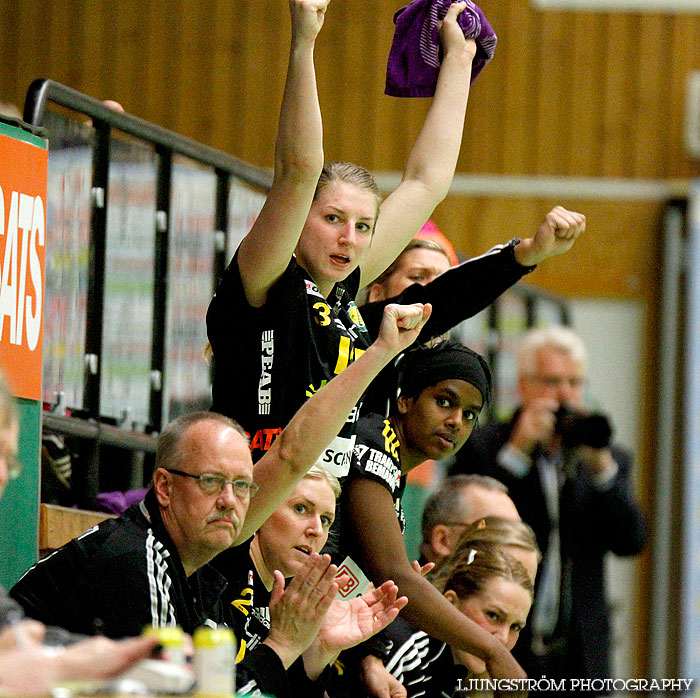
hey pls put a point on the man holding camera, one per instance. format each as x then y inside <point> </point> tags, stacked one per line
<point>573,488</point>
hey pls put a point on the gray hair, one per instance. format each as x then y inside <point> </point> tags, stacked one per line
<point>557,337</point>
<point>445,503</point>
<point>168,451</point>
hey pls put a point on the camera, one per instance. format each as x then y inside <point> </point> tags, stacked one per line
<point>577,429</point>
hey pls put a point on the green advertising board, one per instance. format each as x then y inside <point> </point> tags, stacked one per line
<point>19,507</point>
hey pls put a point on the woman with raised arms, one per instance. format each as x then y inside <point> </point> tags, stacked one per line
<point>284,321</point>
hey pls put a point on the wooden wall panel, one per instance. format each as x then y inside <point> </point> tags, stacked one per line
<point>587,64</point>
<point>9,29</point>
<point>615,258</point>
<point>519,97</point>
<point>682,57</point>
<point>552,77</point>
<point>154,98</point>
<point>89,49</point>
<point>652,96</point>
<point>615,103</point>
<point>377,118</point>
<point>124,38</point>
<point>226,69</point>
<point>568,93</point>
<point>32,30</point>
<point>480,152</point>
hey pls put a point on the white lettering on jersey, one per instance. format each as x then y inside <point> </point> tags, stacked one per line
<point>267,356</point>
<point>382,465</point>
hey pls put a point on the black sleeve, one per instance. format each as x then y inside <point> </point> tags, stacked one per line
<point>301,686</point>
<point>9,609</point>
<point>375,456</point>
<point>54,636</point>
<point>479,454</point>
<point>262,672</point>
<point>46,594</point>
<point>457,294</point>
<point>382,644</point>
<point>87,597</point>
<point>613,513</point>
<point>229,305</point>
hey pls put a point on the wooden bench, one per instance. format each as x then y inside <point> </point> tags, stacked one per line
<point>58,525</point>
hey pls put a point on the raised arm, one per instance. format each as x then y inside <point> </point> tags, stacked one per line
<point>320,419</point>
<point>480,280</point>
<point>431,164</point>
<point>265,252</point>
<point>370,508</point>
<point>555,235</point>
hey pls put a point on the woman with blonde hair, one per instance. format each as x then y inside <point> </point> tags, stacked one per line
<point>284,320</point>
<point>490,587</point>
<point>514,537</point>
<point>298,528</point>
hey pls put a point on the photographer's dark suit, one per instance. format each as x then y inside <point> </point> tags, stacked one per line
<point>593,521</point>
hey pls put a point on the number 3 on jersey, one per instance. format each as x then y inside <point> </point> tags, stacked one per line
<point>323,313</point>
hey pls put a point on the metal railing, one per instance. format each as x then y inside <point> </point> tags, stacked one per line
<point>104,121</point>
<point>166,143</point>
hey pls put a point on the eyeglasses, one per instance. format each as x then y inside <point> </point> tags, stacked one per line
<point>574,382</point>
<point>211,483</point>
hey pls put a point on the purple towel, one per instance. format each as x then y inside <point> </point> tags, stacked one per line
<point>118,502</point>
<point>414,59</point>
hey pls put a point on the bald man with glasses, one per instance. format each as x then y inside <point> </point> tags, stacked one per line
<point>578,499</point>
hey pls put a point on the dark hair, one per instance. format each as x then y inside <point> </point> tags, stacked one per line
<point>428,365</point>
<point>168,452</point>
<point>445,503</point>
<point>415,244</point>
<point>469,573</point>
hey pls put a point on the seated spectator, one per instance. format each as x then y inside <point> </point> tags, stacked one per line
<point>297,529</point>
<point>150,566</point>
<point>457,503</point>
<point>489,587</point>
<point>28,667</point>
<point>443,389</point>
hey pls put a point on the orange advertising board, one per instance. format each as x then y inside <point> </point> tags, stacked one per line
<point>23,169</point>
